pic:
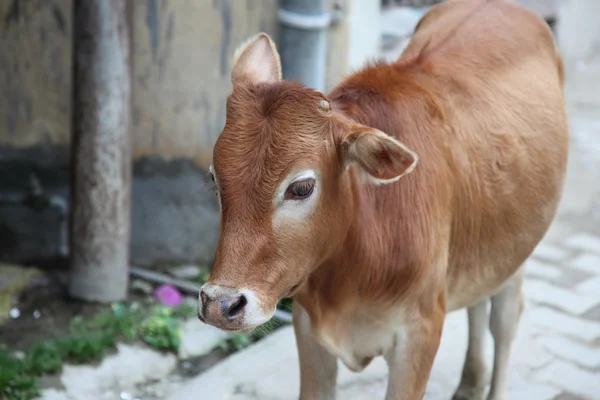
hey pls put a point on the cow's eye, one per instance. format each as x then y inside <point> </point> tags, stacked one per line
<point>300,190</point>
<point>212,177</point>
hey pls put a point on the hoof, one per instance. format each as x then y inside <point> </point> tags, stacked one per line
<point>471,393</point>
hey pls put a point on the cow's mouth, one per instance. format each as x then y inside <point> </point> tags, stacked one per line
<point>239,330</point>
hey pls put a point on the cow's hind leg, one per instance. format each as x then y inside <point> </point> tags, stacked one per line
<point>507,306</point>
<point>474,378</point>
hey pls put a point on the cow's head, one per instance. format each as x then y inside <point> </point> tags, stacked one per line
<point>280,168</point>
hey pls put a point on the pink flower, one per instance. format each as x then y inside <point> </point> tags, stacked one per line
<point>168,295</point>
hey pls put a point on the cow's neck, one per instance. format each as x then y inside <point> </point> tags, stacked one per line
<point>343,275</point>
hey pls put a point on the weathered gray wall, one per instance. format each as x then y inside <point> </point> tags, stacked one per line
<point>35,72</point>
<point>181,59</point>
<point>182,53</point>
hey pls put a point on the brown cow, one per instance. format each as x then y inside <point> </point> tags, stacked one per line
<point>413,189</point>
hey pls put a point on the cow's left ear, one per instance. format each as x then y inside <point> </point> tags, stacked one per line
<point>382,158</point>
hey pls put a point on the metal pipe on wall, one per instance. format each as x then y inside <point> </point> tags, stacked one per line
<point>303,40</point>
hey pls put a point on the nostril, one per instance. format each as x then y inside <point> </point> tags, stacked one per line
<point>236,307</point>
<point>203,297</point>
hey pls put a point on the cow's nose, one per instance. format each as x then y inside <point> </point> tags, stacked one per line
<point>220,310</point>
<point>233,307</point>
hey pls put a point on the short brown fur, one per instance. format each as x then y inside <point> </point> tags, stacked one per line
<point>478,97</point>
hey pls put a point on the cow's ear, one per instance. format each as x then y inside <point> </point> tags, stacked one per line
<point>381,158</point>
<point>256,61</point>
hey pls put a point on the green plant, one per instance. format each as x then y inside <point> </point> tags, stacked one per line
<point>184,311</point>
<point>236,342</point>
<point>285,304</point>
<point>86,349</point>
<point>204,274</point>
<point>44,358</point>
<point>161,329</point>
<point>15,381</point>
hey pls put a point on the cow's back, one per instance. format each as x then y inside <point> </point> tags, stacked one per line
<point>496,71</point>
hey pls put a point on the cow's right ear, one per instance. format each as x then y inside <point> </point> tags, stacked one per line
<point>256,61</point>
<point>381,158</point>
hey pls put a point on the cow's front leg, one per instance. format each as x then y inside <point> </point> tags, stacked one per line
<point>412,357</point>
<point>318,368</point>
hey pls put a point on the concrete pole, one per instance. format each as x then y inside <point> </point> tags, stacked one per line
<point>101,186</point>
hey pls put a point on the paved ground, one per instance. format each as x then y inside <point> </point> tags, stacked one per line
<point>556,355</point>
